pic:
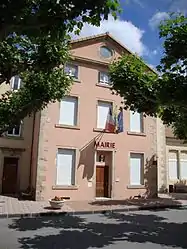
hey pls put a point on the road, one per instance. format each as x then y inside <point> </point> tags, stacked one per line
<point>132,230</point>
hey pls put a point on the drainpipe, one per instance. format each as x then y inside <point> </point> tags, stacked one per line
<point>32,147</point>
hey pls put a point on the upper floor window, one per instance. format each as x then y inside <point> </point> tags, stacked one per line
<point>136,122</point>
<point>69,111</point>
<point>72,70</point>
<point>106,52</point>
<point>102,113</point>
<point>104,78</point>
<point>15,82</point>
<point>16,131</point>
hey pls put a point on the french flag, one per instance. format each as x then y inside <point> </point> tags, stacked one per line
<point>120,120</point>
<point>110,122</point>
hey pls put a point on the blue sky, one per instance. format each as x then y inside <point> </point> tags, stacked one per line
<point>137,26</point>
<point>146,15</point>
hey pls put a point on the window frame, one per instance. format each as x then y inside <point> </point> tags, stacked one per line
<point>97,109</point>
<point>13,133</point>
<point>180,163</point>
<point>74,162</point>
<point>71,65</point>
<point>142,178</point>
<point>104,83</point>
<point>77,111</point>
<point>177,162</point>
<point>12,83</point>
<point>109,49</point>
<point>142,128</point>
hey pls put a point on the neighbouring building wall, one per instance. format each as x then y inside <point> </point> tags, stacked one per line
<point>172,159</point>
<point>16,145</point>
<point>176,154</point>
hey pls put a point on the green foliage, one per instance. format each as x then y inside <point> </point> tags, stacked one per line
<point>162,94</point>
<point>34,45</point>
<point>135,83</point>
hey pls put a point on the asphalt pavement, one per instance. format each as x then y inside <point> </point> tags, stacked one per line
<point>130,230</point>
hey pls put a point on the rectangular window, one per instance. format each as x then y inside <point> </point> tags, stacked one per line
<point>72,70</point>
<point>173,165</point>
<point>65,175</point>
<point>15,82</point>
<point>136,122</point>
<point>136,169</point>
<point>102,113</point>
<point>69,111</point>
<point>16,131</point>
<point>104,78</point>
<point>183,165</point>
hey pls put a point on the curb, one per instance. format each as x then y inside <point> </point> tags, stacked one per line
<point>63,213</point>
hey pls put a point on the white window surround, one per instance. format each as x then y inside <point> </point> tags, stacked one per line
<point>72,70</point>
<point>69,111</point>
<point>15,83</point>
<point>102,113</point>
<point>177,165</point>
<point>183,165</point>
<point>104,78</point>
<point>173,165</point>
<point>136,122</point>
<point>136,169</point>
<point>65,167</point>
<point>15,132</point>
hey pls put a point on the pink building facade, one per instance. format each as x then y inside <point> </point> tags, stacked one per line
<point>75,158</point>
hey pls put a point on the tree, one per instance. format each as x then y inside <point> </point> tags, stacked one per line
<point>160,95</point>
<point>34,44</point>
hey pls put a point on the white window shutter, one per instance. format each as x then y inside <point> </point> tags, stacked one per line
<point>65,167</point>
<point>173,165</point>
<point>136,164</point>
<point>102,113</point>
<point>68,111</point>
<point>136,122</point>
<point>183,165</point>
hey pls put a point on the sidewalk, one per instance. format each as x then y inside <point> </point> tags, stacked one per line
<point>12,207</point>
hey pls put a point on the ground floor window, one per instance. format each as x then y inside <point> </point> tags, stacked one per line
<point>65,173</point>
<point>177,169</point>
<point>136,169</point>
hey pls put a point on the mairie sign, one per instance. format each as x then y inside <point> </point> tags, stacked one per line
<point>110,145</point>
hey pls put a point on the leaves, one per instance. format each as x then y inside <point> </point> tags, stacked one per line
<point>135,83</point>
<point>34,38</point>
<point>161,95</point>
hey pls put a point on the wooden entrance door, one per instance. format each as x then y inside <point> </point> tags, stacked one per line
<point>102,180</point>
<point>9,184</point>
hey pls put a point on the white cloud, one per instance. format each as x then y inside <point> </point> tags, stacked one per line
<point>139,2</point>
<point>157,18</point>
<point>178,6</point>
<point>124,31</point>
<point>155,52</point>
<point>152,66</point>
